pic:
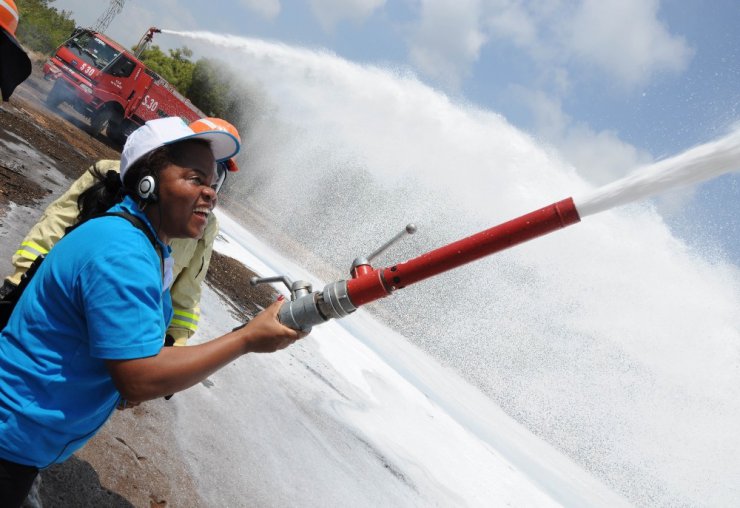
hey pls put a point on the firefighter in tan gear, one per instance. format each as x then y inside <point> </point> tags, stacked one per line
<point>191,257</point>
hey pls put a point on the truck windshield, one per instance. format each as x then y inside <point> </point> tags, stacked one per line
<point>92,49</point>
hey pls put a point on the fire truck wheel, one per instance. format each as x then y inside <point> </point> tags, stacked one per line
<point>106,120</point>
<point>56,96</point>
<point>115,129</point>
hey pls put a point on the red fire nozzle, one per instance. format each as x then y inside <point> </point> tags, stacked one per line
<point>370,286</point>
<point>150,34</point>
<point>146,39</point>
<point>338,299</point>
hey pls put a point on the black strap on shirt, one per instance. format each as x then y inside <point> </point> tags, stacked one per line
<point>9,301</point>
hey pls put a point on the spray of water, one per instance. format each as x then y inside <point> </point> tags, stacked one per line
<point>612,340</point>
<point>700,163</point>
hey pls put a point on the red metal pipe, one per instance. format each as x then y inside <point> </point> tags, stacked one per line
<point>373,285</point>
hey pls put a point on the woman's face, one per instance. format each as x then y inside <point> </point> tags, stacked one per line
<point>186,197</point>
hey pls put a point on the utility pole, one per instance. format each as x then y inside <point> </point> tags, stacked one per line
<point>115,7</point>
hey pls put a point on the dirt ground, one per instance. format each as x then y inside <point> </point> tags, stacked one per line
<point>130,462</point>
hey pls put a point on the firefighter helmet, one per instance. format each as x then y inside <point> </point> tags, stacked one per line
<point>217,124</point>
<point>214,124</point>
<point>8,16</point>
<point>231,165</point>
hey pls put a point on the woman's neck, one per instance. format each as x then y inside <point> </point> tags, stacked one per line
<point>155,219</point>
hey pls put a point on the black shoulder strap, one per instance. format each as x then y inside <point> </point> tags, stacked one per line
<point>137,223</point>
<point>7,303</point>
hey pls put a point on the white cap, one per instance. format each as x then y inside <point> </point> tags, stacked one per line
<point>165,131</point>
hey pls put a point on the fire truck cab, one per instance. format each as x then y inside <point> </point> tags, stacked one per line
<point>108,84</point>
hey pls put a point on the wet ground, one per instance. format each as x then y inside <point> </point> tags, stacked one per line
<point>131,462</point>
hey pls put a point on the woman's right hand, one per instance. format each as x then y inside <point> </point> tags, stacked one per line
<point>265,334</point>
<point>178,368</point>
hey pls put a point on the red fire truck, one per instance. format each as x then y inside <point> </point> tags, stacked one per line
<point>111,86</point>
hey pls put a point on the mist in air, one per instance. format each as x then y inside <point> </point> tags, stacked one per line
<point>612,340</point>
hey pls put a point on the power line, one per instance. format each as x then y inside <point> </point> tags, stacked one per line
<point>115,7</point>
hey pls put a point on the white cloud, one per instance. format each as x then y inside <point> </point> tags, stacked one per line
<point>447,39</point>
<point>599,157</point>
<point>625,39</point>
<point>135,18</point>
<point>330,12</point>
<point>621,39</point>
<point>269,9</point>
<point>510,20</point>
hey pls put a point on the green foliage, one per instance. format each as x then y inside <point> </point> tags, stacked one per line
<point>42,27</point>
<point>175,68</point>
<point>207,90</point>
<point>207,83</point>
<point>212,90</point>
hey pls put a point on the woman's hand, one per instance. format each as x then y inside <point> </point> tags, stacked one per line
<point>178,368</point>
<point>265,334</point>
<point>124,404</point>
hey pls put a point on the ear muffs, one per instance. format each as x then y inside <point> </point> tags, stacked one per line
<point>147,189</point>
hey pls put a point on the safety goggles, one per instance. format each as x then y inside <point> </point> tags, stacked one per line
<point>220,176</point>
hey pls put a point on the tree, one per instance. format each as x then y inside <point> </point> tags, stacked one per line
<point>209,89</point>
<point>176,68</point>
<point>42,27</point>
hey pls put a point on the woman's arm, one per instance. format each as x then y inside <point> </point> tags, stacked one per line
<point>175,369</point>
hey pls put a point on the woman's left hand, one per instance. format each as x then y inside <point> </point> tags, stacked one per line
<point>126,404</point>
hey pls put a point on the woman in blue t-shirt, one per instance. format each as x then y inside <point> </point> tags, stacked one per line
<point>88,331</point>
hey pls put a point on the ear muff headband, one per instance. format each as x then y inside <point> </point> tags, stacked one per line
<point>147,189</point>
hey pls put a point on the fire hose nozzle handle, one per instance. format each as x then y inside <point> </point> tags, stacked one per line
<point>410,229</point>
<point>297,288</point>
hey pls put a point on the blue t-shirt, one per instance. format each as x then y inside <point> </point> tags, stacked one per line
<point>97,296</point>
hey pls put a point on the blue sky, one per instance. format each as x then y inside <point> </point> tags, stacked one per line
<point>610,83</point>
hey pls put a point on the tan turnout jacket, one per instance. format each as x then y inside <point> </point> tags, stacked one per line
<point>191,257</point>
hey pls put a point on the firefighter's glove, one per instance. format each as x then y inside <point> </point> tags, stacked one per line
<point>6,288</point>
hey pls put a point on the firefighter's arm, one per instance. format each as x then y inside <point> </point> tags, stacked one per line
<point>186,289</point>
<point>177,368</point>
<point>52,225</point>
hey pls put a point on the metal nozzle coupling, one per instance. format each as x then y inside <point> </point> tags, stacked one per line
<point>315,308</point>
<point>305,308</point>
